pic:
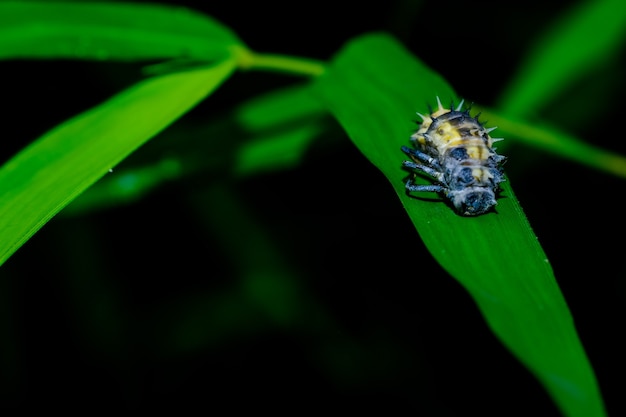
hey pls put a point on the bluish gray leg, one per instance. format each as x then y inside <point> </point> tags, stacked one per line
<point>427,159</point>
<point>423,188</point>
<point>423,168</point>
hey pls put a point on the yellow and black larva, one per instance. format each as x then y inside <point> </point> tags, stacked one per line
<point>456,150</point>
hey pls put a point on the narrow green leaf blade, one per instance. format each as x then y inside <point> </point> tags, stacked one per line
<point>120,31</point>
<point>584,38</point>
<point>373,87</point>
<point>45,176</point>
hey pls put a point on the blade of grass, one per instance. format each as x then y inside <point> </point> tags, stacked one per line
<point>120,31</point>
<point>581,40</point>
<point>373,87</point>
<point>45,176</point>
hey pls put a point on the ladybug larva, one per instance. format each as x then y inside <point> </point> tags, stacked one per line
<point>456,150</point>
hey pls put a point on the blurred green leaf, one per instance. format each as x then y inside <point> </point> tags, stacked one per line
<point>373,87</point>
<point>286,122</point>
<point>125,187</point>
<point>289,105</point>
<point>268,153</point>
<point>45,176</point>
<point>281,150</point>
<point>277,129</point>
<point>121,31</point>
<point>556,142</point>
<point>265,277</point>
<point>583,39</point>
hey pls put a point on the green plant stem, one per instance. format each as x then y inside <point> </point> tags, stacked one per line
<point>559,143</point>
<point>250,60</point>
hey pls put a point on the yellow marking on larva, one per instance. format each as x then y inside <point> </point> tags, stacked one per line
<point>475,147</point>
<point>481,174</point>
<point>477,152</point>
<point>420,139</point>
<point>446,133</point>
<point>440,112</point>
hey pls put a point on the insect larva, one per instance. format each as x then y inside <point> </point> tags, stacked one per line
<point>456,150</point>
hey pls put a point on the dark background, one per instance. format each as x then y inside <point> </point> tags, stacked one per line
<point>147,305</point>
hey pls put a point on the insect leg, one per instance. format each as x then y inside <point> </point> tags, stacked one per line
<point>423,168</point>
<point>427,159</point>
<point>423,188</point>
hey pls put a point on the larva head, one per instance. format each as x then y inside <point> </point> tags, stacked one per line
<point>472,201</point>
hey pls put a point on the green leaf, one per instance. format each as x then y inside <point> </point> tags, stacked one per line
<point>286,122</point>
<point>45,176</point>
<point>288,105</point>
<point>583,39</point>
<point>125,187</point>
<point>374,87</point>
<point>281,150</point>
<point>277,129</point>
<point>120,31</point>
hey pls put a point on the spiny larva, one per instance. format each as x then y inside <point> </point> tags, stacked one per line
<point>456,150</point>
